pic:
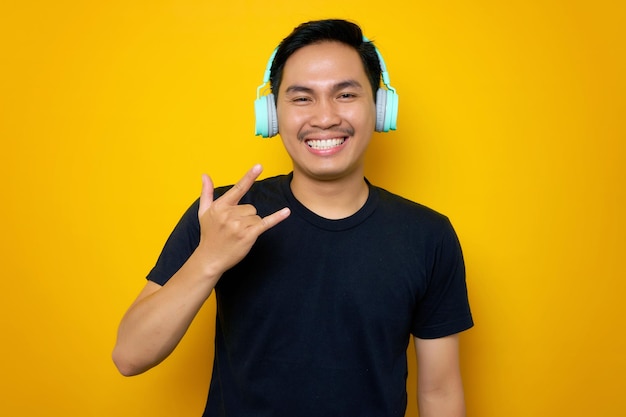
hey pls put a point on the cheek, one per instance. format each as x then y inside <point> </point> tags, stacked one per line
<point>364,117</point>
<point>287,120</point>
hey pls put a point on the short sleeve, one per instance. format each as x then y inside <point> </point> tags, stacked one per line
<point>443,308</point>
<point>181,243</point>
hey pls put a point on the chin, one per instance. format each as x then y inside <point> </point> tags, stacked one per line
<point>328,173</point>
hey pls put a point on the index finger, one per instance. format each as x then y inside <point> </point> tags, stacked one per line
<point>242,186</point>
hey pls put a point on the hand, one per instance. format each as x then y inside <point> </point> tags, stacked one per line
<point>227,229</point>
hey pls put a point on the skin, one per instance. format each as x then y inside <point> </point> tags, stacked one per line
<point>324,96</point>
<point>440,387</point>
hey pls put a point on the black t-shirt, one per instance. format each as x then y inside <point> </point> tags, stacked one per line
<point>316,319</point>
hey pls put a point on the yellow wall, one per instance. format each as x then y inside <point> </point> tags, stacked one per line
<point>511,122</point>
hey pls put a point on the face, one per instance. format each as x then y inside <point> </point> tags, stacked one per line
<point>326,111</point>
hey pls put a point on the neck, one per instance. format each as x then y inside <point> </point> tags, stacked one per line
<point>331,199</point>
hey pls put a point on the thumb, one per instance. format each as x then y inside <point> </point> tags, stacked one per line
<point>206,196</point>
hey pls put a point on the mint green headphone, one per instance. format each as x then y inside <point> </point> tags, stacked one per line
<point>386,103</point>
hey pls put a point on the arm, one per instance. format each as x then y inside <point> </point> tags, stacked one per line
<point>440,389</point>
<point>159,317</point>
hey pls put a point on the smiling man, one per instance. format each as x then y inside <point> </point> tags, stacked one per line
<point>321,278</point>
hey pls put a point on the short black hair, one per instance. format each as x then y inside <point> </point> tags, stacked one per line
<point>327,30</point>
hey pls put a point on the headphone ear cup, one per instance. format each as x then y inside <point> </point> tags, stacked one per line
<point>266,122</point>
<point>386,110</point>
<point>391,113</point>
<point>381,107</point>
<point>261,127</point>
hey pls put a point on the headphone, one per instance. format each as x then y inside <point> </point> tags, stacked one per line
<point>386,103</point>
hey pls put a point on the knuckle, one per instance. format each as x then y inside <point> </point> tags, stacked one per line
<point>238,186</point>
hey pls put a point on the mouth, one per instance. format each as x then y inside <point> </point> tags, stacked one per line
<point>325,144</point>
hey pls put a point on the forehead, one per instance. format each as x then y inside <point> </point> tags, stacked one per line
<point>323,62</point>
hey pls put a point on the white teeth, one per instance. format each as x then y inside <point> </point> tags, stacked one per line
<point>324,143</point>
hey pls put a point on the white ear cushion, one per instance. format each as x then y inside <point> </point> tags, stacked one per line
<point>381,105</point>
<point>272,119</point>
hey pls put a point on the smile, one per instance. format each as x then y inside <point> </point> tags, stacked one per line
<point>323,144</point>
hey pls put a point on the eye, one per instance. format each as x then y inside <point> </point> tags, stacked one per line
<point>300,100</point>
<point>347,96</point>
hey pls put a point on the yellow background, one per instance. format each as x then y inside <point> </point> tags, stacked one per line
<point>512,122</point>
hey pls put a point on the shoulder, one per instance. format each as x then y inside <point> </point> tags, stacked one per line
<point>408,211</point>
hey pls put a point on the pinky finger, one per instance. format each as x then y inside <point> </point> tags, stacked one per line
<point>273,219</point>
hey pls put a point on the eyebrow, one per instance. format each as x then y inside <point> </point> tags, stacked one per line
<point>337,87</point>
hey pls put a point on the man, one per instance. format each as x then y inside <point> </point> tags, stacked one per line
<point>320,277</point>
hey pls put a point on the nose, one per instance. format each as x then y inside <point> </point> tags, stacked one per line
<point>325,114</point>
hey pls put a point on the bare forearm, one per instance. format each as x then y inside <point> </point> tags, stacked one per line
<point>156,323</point>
